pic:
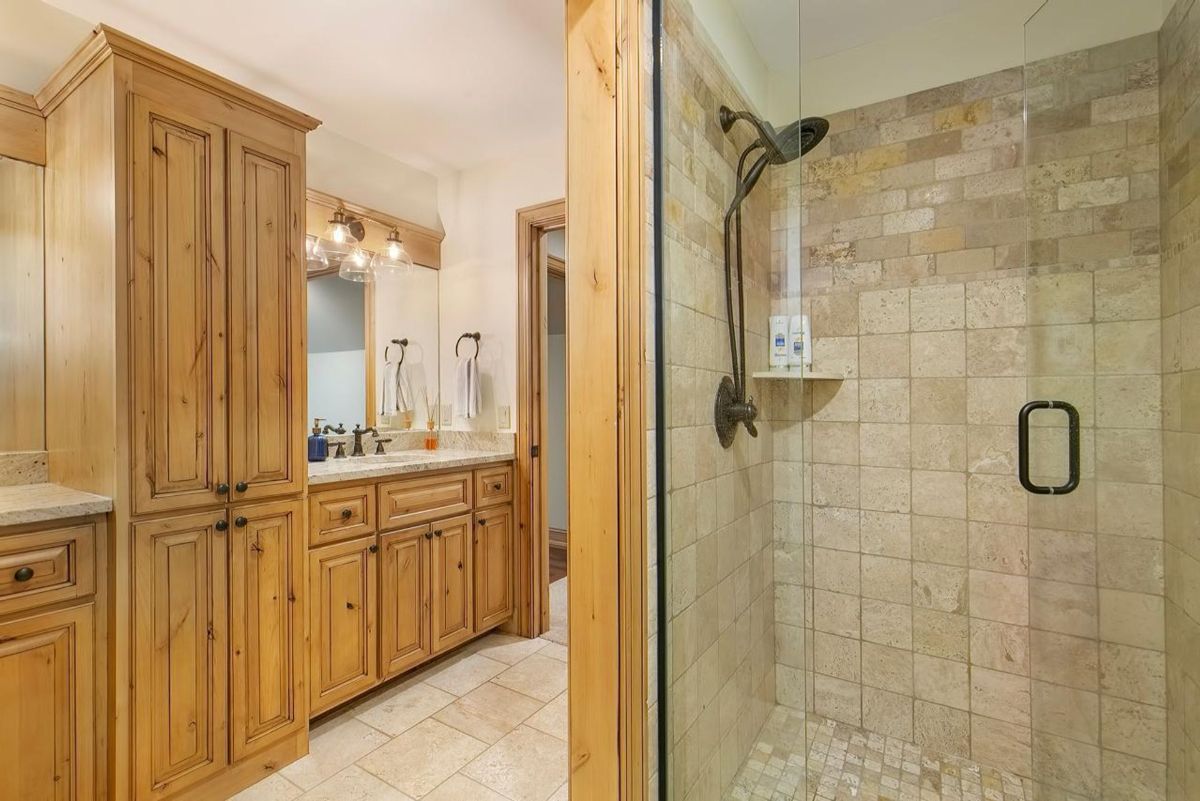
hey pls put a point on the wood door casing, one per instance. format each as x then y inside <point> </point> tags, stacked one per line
<point>47,687</point>
<point>493,568</point>
<point>268,700</point>
<point>451,586</point>
<point>266,313</point>
<point>180,653</point>
<point>343,651</point>
<point>178,454</point>
<point>404,630</point>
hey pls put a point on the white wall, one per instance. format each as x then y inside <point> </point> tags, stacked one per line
<point>406,307</point>
<point>479,270</point>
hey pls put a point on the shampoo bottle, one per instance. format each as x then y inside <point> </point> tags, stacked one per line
<point>318,446</point>
<point>779,342</point>
<point>799,342</point>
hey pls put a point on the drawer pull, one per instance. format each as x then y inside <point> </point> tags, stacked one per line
<point>428,535</point>
<point>222,489</point>
<point>23,574</point>
<point>346,514</point>
<point>497,487</point>
<point>221,525</point>
<point>241,486</point>
<point>373,549</point>
<point>240,522</point>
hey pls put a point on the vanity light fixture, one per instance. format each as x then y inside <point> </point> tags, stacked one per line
<point>315,259</point>
<point>338,242</point>
<point>357,266</point>
<point>393,259</point>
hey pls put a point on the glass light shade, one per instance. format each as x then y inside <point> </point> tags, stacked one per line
<point>356,266</point>
<point>338,242</point>
<point>314,254</point>
<point>393,259</point>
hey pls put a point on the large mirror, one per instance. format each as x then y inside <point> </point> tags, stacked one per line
<point>372,325</point>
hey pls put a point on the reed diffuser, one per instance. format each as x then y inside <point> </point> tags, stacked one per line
<point>431,405</point>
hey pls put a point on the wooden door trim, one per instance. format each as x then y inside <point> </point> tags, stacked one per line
<point>606,416</point>
<point>532,565</point>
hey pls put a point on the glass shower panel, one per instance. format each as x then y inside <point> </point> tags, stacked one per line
<point>729,682</point>
<point>1075,594</point>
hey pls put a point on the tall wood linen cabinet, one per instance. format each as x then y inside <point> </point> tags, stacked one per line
<point>175,384</point>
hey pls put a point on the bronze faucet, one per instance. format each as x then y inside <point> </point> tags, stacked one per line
<point>358,435</point>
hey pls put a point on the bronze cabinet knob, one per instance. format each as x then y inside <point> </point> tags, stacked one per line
<point>481,521</point>
<point>437,533</point>
<point>222,489</point>
<point>240,521</point>
<point>497,487</point>
<point>346,513</point>
<point>221,525</point>
<point>241,486</point>
<point>23,574</point>
<point>428,535</point>
<point>373,549</point>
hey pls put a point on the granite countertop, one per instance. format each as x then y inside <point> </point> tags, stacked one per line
<point>399,463</point>
<point>34,503</point>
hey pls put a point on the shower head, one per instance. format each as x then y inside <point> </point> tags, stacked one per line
<point>784,145</point>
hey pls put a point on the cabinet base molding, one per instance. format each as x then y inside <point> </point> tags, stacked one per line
<point>253,769</point>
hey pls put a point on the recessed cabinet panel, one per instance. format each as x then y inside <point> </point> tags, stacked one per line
<point>453,613</point>
<point>342,587</point>
<point>180,652</point>
<point>266,281</point>
<point>267,625</point>
<point>178,298</point>
<point>341,514</point>
<point>423,499</point>
<point>493,486</point>
<point>493,567</point>
<point>47,742</point>
<point>404,599</point>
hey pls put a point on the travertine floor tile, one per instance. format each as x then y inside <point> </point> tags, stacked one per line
<point>488,712</point>
<point>552,718</point>
<point>272,788</point>
<point>354,784</point>
<point>536,676</point>
<point>394,712</point>
<point>334,745</point>
<point>423,757</point>
<point>461,675</point>
<point>459,788</point>
<point>527,765</point>
<point>508,648</point>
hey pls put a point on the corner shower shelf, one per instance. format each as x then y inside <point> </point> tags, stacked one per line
<point>799,375</point>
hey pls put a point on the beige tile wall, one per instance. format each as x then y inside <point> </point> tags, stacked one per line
<point>720,618</point>
<point>945,604</point>
<point>1179,50</point>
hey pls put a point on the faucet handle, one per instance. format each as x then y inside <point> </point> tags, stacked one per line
<point>379,443</point>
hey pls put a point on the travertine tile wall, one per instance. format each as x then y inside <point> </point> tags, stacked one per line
<point>721,676</point>
<point>945,604</point>
<point>1179,49</point>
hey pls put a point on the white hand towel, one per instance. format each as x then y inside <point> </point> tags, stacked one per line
<point>387,404</point>
<point>466,389</point>
<point>405,401</point>
<point>473,394</point>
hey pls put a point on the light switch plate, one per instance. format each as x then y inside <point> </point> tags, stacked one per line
<point>447,414</point>
<point>504,417</point>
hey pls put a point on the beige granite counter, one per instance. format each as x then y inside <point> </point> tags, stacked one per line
<point>34,503</point>
<point>399,463</point>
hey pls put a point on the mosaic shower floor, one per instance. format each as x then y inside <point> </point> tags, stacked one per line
<point>849,764</point>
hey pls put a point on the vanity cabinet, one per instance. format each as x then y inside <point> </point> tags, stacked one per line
<point>385,603</point>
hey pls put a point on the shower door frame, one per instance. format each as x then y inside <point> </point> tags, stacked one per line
<point>606,335</point>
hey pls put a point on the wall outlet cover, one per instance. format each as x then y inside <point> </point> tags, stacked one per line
<point>504,417</point>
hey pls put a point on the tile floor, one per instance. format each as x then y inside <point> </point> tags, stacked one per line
<point>848,764</point>
<point>486,724</point>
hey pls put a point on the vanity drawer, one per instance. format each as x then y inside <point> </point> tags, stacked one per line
<point>341,514</point>
<point>420,500</point>
<point>45,567</point>
<point>494,485</point>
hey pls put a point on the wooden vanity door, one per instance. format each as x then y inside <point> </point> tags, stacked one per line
<point>453,593</point>
<point>266,321</point>
<point>404,599</point>
<point>269,700</point>
<point>493,567</point>
<point>177,310</point>
<point>47,743</point>
<point>180,653</point>
<point>344,651</point>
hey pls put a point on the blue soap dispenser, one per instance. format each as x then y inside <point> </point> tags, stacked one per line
<point>318,446</point>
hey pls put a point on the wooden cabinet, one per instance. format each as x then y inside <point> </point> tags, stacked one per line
<point>47,687</point>
<point>266,319</point>
<point>493,552</point>
<point>451,587</point>
<point>424,499</point>
<point>180,657</point>
<point>404,630</point>
<point>341,514</point>
<point>342,623</point>
<point>266,625</point>
<point>493,486</point>
<point>39,568</point>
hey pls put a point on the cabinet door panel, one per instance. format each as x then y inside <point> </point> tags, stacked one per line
<point>178,310</point>
<point>493,567</point>
<point>180,652</point>
<point>342,587</point>
<point>404,599</point>
<point>47,742</point>
<point>453,593</point>
<point>266,282</point>
<point>267,625</point>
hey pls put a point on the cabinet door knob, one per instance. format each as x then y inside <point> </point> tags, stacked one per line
<point>346,513</point>
<point>437,533</point>
<point>373,549</point>
<point>241,486</point>
<point>221,525</point>
<point>240,521</point>
<point>497,487</point>
<point>222,489</point>
<point>482,521</point>
<point>23,574</point>
<point>428,535</point>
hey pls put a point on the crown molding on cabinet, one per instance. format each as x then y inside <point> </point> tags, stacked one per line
<point>22,127</point>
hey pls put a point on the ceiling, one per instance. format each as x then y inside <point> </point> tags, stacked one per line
<point>831,26</point>
<point>439,84</point>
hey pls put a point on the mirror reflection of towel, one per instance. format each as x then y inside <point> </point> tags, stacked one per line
<point>466,389</point>
<point>397,390</point>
